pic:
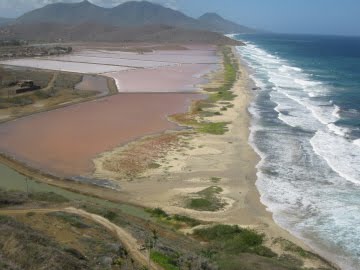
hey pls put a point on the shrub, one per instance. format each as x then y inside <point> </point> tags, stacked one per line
<point>157,212</point>
<point>188,220</point>
<point>168,263</point>
<point>213,128</point>
<point>233,239</point>
<point>110,215</point>
<point>47,197</point>
<point>72,219</point>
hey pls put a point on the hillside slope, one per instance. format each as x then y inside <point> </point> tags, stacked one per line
<point>216,23</point>
<point>88,32</point>
<point>131,13</point>
<point>5,21</point>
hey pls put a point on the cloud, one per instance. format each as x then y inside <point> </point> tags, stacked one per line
<point>13,8</point>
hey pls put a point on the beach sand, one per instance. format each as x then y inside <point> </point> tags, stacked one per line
<point>226,161</point>
<point>199,161</point>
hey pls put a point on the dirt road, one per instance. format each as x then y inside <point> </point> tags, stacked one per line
<point>123,236</point>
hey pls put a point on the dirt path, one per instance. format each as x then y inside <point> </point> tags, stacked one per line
<point>52,81</point>
<point>126,239</point>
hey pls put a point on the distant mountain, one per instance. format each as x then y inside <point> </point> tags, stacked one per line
<point>5,21</point>
<point>88,32</point>
<point>128,14</point>
<point>146,13</point>
<point>216,23</point>
<point>131,13</point>
<point>65,13</point>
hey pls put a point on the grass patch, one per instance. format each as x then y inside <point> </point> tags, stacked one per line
<point>213,128</point>
<point>72,219</point>
<point>233,240</point>
<point>177,221</point>
<point>223,109</point>
<point>222,94</point>
<point>110,215</point>
<point>47,197</point>
<point>168,263</point>
<point>286,245</point>
<point>157,212</point>
<point>154,165</point>
<point>206,200</point>
<point>215,179</point>
<point>188,220</point>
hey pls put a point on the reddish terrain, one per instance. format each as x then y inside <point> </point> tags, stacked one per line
<point>65,141</point>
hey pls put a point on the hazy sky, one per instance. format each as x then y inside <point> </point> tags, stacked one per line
<point>290,16</point>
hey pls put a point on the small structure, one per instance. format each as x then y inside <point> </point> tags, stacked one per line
<point>26,86</point>
<point>25,83</point>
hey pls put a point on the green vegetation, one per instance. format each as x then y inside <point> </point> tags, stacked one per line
<point>57,86</point>
<point>73,220</point>
<point>158,212</point>
<point>206,200</point>
<point>154,165</point>
<point>216,95</point>
<point>47,197</point>
<point>177,221</point>
<point>215,179</point>
<point>164,261</point>
<point>231,239</point>
<point>233,248</point>
<point>33,250</point>
<point>213,128</point>
<point>110,215</point>
<point>93,247</point>
<point>286,245</point>
<point>10,198</point>
<point>188,220</point>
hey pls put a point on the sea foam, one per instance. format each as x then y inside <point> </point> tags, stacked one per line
<point>309,166</point>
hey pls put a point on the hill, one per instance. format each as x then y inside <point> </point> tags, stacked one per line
<point>88,32</point>
<point>5,21</point>
<point>131,13</point>
<point>216,23</point>
<point>65,13</point>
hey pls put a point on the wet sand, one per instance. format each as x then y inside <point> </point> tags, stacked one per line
<point>64,141</point>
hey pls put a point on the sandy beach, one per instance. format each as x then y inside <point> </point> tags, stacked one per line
<point>194,163</point>
<point>203,161</point>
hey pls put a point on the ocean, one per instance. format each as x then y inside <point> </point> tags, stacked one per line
<point>306,128</point>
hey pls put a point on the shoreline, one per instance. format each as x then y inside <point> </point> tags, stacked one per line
<point>229,157</point>
<point>292,236</point>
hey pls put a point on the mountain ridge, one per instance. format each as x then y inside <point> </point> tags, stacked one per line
<point>131,13</point>
<point>95,32</point>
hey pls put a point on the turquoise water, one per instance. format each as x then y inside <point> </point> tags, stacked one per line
<point>306,128</point>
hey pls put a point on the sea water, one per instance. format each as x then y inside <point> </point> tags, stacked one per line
<point>306,128</point>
